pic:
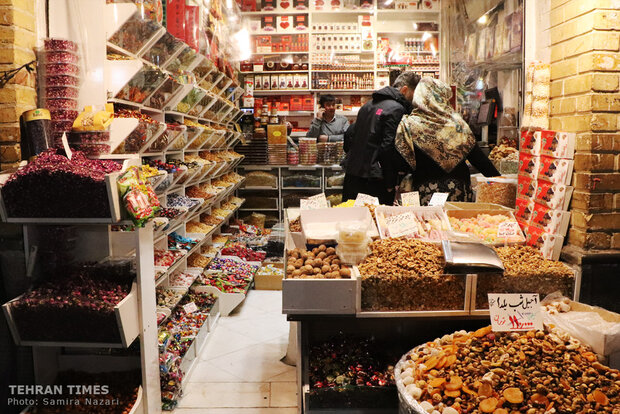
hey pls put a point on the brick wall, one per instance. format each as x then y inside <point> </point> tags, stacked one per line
<point>17,40</point>
<point>585,98</point>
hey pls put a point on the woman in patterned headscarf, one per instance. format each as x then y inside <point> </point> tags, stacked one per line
<point>435,141</point>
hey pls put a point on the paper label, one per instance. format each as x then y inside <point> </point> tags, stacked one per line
<point>438,199</point>
<point>364,199</point>
<point>314,202</point>
<point>401,224</point>
<point>190,308</point>
<point>508,229</point>
<point>410,199</point>
<point>515,312</point>
<point>65,144</point>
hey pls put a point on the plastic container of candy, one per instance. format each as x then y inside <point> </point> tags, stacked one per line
<point>56,69</point>
<point>61,57</point>
<point>92,149</point>
<point>61,80</point>
<point>61,92</point>
<point>55,44</point>
<point>54,104</point>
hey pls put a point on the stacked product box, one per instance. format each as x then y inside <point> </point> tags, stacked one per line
<point>545,170</point>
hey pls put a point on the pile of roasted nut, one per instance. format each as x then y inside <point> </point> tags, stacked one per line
<point>527,261</point>
<point>295,225</point>
<point>320,263</point>
<point>408,275</point>
<point>532,372</point>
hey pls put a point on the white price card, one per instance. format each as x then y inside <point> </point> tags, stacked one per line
<point>508,229</point>
<point>438,199</point>
<point>411,199</point>
<point>515,312</point>
<point>401,224</point>
<point>314,202</point>
<point>65,145</point>
<point>364,199</point>
<point>190,307</point>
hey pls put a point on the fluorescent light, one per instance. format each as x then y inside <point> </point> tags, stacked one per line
<point>415,26</point>
<point>426,36</point>
<point>242,40</point>
<point>483,19</point>
<point>388,2</point>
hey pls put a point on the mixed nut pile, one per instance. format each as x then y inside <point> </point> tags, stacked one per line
<point>320,263</point>
<point>532,372</point>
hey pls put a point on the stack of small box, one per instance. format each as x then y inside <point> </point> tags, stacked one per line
<point>329,153</point>
<point>255,151</point>
<point>543,196</point>
<point>308,151</point>
<point>276,138</point>
<point>58,85</point>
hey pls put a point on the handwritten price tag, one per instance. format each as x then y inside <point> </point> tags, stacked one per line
<point>401,224</point>
<point>314,202</point>
<point>508,229</point>
<point>438,199</point>
<point>190,308</point>
<point>363,199</point>
<point>515,312</point>
<point>410,199</point>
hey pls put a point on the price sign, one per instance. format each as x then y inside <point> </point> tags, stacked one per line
<point>401,224</point>
<point>515,312</point>
<point>410,199</point>
<point>438,199</point>
<point>65,145</point>
<point>314,202</point>
<point>364,199</point>
<point>190,308</point>
<point>508,229</point>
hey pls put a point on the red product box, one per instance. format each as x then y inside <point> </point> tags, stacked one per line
<point>268,24</point>
<point>524,208</point>
<point>556,144</point>
<point>548,244</point>
<point>268,5</point>
<point>248,5</point>
<point>296,103</point>
<point>308,103</point>
<point>529,143</point>
<point>554,196</point>
<point>300,22</point>
<point>285,24</point>
<point>556,170</point>
<point>551,221</point>
<point>284,106</point>
<point>528,165</point>
<point>285,5</point>
<point>300,4</point>
<point>175,18</point>
<point>526,187</point>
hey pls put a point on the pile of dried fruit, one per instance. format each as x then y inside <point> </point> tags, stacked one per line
<point>501,373</point>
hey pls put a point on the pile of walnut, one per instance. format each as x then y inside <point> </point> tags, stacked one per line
<point>527,261</point>
<point>508,373</point>
<point>295,225</point>
<point>320,263</point>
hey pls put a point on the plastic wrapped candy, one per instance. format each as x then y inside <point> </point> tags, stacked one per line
<point>139,198</point>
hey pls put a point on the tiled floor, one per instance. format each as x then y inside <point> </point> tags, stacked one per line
<point>239,371</point>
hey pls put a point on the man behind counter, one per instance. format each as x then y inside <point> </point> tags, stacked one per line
<point>327,126</point>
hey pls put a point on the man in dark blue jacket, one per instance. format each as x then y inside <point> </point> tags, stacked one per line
<point>372,159</point>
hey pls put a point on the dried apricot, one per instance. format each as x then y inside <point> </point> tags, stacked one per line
<point>539,399</point>
<point>455,383</point>
<point>431,362</point>
<point>483,331</point>
<point>485,390</point>
<point>500,411</point>
<point>488,405</point>
<point>437,382</point>
<point>589,356</point>
<point>600,398</point>
<point>442,362</point>
<point>513,395</point>
<point>451,359</point>
<point>469,391</point>
<point>452,394</point>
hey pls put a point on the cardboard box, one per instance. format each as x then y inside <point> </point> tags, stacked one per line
<point>296,103</point>
<point>276,134</point>
<point>526,187</point>
<point>549,245</point>
<point>300,4</point>
<point>285,24</point>
<point>556,170</point>
<point>529,142</point>
<point>529,165</point>
<point>269,282</point>
<point>556,144</point>
<point>285,5</point>
<point>263,44</point>
<point>268,25</point>
<point>524,207</point>
<point>258,82</point>
<point>274,81</point>
<point>308,103</point>
<point>248,5</point>
<point>551,221</point>
<point>268,5</point>
<point>300,22</point>
<point>554,196</point>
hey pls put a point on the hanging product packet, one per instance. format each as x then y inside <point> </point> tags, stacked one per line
<point>138,197</point>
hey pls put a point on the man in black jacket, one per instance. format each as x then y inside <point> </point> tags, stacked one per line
<point>372,159</point>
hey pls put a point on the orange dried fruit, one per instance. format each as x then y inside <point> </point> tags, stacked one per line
<point>469,391</point>
<point>513,395</point>
<point>450,349</point>
<point>589,356</point>
<point>452,394</point>
<point>577,359</point>
<point>437,382</point>
<point>485,390</point>
<point>600,398</point>
<point>521,355</point>
<point>455,383</point>
<point>450,359</point>
<point>539,399</point>
<point>500,411</point>
<point>483,331</point>
<point>442,362</point>
<point>488,405</point>
<point>431,362</point>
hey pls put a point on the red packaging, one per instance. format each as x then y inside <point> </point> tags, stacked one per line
<point>308,103</point>
<point>192,26</point>
<point>301,22</point>
<point>529,143</point>
<point>268,24</point>
<point>556,170</point>
<point>551,221</point>
<point>523,209</point>
<point>548,244</point>
<point>248,5</point>
<point>268,5</point>
<point>526,187</point>
<point>528,165</point>
<point>556,144</point>
<point>300,4</point>
<point>554,196</point>
<point>285,24</point>
<point>296,103</point>
<point>175,18</point>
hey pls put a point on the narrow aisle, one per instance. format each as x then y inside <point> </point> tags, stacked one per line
<point>240,370</point>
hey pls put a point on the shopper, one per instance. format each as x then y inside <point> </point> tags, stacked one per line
<point>371,156</point>
<point>327,126</point>
<point>435,141</point>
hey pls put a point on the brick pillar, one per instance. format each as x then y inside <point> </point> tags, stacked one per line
<point>17,40</point>
<point>585,98</point>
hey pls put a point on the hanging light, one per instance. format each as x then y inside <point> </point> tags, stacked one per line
<point>242,40</point>
<point>483,19</point>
